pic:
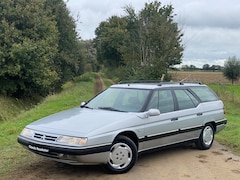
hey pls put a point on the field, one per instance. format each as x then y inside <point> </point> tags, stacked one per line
<point>199,76</point>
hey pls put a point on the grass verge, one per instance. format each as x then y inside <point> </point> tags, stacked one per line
<point>230,94</point>
<point>11,153</point>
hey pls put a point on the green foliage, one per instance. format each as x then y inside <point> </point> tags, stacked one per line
<point>89,56</point>
<point>39,49</point>
<point>11,107</point>
<point>232,69</point>
<point>28,37</point>
<point>68,59</point>
<point>109,41</point>
<point>141,45</point>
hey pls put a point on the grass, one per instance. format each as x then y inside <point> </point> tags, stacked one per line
<point>11,107</point>
<point>11,153</point>
<point>230,95</point>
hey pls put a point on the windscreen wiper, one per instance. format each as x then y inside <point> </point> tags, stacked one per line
<point>110,109</point>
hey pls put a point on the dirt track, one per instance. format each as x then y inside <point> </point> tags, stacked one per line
<point>181,162</point>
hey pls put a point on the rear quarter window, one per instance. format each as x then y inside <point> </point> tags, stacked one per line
<point>204,93</point>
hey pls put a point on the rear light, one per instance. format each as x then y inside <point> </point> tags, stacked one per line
<point>224,110</point>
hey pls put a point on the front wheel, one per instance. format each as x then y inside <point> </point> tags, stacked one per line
<point>122,156</point>
<point>206,137</point>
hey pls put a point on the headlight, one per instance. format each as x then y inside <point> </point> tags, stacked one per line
<point>27,132</point>
<point>72,140</point>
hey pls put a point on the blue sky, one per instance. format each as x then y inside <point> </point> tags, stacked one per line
<point>211,27</point>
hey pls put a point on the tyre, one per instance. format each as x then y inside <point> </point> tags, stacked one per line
<point>122,156</point>
<point>206,137</point>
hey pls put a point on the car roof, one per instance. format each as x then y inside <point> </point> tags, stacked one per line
<point>154,84</point>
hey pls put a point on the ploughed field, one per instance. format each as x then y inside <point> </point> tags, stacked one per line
<point>199,76</point>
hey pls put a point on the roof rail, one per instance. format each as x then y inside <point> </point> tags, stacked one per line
<point>192,82</point>
<point>140,81</point>
<point>158,82</point>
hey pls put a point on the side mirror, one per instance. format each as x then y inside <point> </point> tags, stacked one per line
<point>153,112</point>
<point>82,104</point>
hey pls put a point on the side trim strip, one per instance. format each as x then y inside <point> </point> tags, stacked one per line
<point>221,122</point>
<point>180,131</point>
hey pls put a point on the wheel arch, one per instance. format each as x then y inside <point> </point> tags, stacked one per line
<point>131,135</point>
<point>213,125</point>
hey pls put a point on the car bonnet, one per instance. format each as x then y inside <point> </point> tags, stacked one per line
<point>79,121</point>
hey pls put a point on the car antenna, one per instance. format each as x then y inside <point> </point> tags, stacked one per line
<point>185,78</point>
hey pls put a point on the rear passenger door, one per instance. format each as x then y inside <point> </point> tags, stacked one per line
<point>189,119</point>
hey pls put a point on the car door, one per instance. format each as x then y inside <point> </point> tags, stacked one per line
<point>161,130</point>
<point>189,115</point>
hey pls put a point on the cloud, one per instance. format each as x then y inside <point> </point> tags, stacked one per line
<point>216,14</point>
<point>92,13</point>
<point>211,28</point>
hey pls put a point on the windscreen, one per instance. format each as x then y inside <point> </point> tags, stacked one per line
<point>120,99</point>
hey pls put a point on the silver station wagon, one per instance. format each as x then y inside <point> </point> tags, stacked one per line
<point>127,119</point>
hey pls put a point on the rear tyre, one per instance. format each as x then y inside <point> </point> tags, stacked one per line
<point>206,137</point>
<point>122,156</point>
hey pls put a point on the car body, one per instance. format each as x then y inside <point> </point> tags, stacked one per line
<point>125,120</point>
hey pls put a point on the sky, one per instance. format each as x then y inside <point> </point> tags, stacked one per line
<point>211,27</point>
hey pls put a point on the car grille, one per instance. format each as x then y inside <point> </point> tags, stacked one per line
<point>45,137</point>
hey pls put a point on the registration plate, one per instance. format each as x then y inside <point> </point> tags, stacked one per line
<point>38,148</point>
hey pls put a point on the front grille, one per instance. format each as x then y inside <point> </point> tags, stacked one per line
<point>49,154</point>
<point>45,137</point>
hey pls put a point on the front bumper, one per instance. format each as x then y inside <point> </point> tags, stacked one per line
<point>70,155</point>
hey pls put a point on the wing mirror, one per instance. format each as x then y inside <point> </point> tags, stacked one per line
<point>153,112</point>
<point>82,104</point>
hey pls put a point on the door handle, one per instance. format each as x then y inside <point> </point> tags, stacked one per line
<point>174,119</point>
<point>199,114</point>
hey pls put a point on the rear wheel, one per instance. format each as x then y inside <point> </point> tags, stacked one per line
<point>206,137</point>
<point>122,156</point>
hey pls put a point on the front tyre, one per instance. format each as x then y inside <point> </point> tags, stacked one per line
<point>122,156</point>
<point>206,137</point>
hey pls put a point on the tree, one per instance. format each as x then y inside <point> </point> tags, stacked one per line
<point>160,38</point>
<point>232,69</point>
<point>89,55</point>
<point>39,48</point>
<point>68,59</point>
<point>28,41</point>
<point>206,67</point>
<point>144,45</point>
<point>109,41</point>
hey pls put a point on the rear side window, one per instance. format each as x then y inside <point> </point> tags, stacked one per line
<point>204,93</point>
<point>185,99</point>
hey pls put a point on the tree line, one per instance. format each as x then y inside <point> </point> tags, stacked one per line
<point>205,67</point>
<point>39,47</point>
